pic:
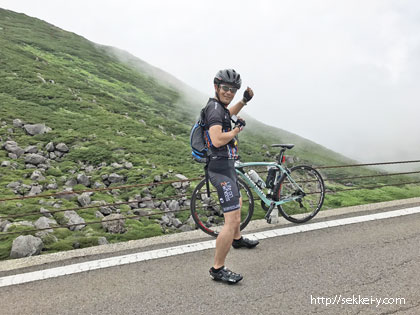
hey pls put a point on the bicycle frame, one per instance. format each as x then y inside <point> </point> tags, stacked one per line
<point>239,170</point>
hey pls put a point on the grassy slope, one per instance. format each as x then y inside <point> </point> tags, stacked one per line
<point>97,105</point>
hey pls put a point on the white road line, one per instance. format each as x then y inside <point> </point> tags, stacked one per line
<point>188,248</point>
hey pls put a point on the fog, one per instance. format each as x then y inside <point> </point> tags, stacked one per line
<point>345,74</point>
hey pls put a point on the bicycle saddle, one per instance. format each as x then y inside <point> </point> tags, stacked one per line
<point>284,146</point>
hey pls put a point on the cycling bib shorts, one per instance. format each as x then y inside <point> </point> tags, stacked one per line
<point>224,178</point>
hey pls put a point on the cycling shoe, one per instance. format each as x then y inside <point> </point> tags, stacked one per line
<point>225,275</point>
<point>244,242</point>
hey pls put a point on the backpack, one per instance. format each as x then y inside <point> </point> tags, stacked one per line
<point>197,140</point>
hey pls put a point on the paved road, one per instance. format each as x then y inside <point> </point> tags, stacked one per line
<point>292,274</point>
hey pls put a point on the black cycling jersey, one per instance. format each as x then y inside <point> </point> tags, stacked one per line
<point>217,114</point>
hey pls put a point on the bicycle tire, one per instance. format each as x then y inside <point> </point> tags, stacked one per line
<point>205,210</point>
<point>312,184</point>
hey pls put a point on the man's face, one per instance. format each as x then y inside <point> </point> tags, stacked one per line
<point>226,93</point>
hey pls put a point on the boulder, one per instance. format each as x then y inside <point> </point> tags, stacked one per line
<point>13,148</point>
<point>102,241</point>
<point>37,129</point>
<point>44,224</point>
<point>31,149</point>
<point>37,175</point>
<point>14,185</point>
<point>174,205</point>
<point>5,164</point>
<point>115,178</point>
<point>114,224</point>
<point>50,147</point>
<point>35,159</point>
<point>71,182</point>
<point>84,199</point>
<point>26,245</point>
<point>45,212</point>
<point>74,218</point>
<point>17,123</point>
<point>4,224</point>
<point>62,147</point>
<point>176,222</point>
<point>83,180</point>
<point>35,190</point>
<point>128,165</point>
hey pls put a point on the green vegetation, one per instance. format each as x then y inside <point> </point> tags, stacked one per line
<point>108,107</point>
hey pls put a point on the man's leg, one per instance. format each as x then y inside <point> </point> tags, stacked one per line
<point>225,238</point>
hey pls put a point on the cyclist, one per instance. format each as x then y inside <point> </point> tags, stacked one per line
<point>222,142</point>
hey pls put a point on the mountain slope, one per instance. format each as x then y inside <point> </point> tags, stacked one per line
<point>119,120</point>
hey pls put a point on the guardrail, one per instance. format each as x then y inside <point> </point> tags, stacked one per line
<point>151,212</point>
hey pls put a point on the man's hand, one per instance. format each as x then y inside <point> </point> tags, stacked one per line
<point>248,94</point>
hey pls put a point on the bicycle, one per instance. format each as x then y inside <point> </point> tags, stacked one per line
<point>298,193</point>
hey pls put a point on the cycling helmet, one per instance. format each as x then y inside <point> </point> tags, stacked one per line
<point>228,76</point>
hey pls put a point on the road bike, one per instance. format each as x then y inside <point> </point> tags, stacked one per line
<point>298,193</point>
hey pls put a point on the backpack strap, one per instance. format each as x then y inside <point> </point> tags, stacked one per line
<point>206,171</point>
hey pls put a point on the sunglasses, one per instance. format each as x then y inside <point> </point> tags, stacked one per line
<point>227,88</point>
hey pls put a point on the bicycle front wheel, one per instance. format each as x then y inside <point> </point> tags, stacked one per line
<point>306,186</point>
<point>206,210</point>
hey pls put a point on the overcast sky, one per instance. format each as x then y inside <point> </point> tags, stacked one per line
<point>345,74</point>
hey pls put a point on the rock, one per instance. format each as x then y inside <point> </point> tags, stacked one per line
<point>102,241</point>
<point>35,190</point>
<point>117,166</point>
<point>44,223</point>
<point>5,164</point>
<point>50,147</point>
<point>105,210</point>
<point>182,177</point>
<point>52,186</point>
<point>166,220</point>
<point>12,156</point>
<point>99,215</point>
<point>14,185</point>
<point>98,185</point>
<point>13,148</point>
<point>116,226</point>
<point>45,212</point>
<point>83,180</point>
<point>71,182</point>
<point>58,153</point>
<point>31,149</point>
<point>52,156</point>
<point>89,169</point>
<point>62,147</point>
<point>177,185</point>
<point>128,165</point>
<point>37,129</point>
<point>115,178</point>
<point>186,228</point>
<point>176,222</point>
<point>74,218</point>
<point>157,178</point>
<point>25,246</point>
<point>174,205</point>
<point>4,224</point>
<point>35,159</point>
<point>148,202</point>
<point>17,123</point>
<point>37,175</point>
<point>84,199</point>
<point>140,212</point>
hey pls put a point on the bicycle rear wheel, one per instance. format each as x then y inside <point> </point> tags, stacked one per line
<point>306,184</point>
<point>207,213</point>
